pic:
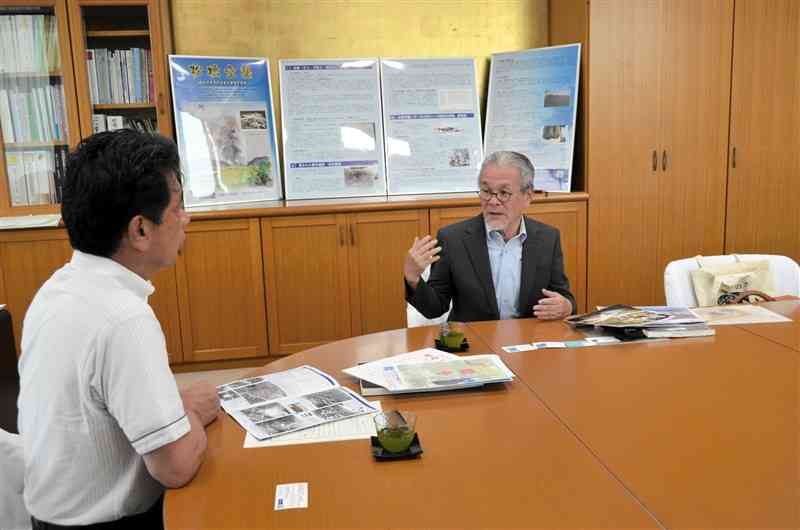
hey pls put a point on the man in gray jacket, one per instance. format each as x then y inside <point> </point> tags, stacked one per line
<point>497,265</point>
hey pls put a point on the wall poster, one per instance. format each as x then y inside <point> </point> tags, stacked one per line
<point>332,129</point>
<point>225,129</point>
<point>531,108</point>
<point>432,124</point>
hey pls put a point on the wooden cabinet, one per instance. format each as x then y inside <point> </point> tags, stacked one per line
<point>764,166</point>
<point>29,257</point>
<point>220,287</point>
<point>377,251</point>
<point>133,38</point>
<point>337,275</point>
<point>568,217</point>
<point>658,95</point>
<point>38,111</point>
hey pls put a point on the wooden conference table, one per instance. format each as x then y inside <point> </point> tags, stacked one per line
<point>690,433</point>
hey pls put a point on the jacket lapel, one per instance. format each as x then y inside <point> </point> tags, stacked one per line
<point>478,251</point>
<point>528,269</point>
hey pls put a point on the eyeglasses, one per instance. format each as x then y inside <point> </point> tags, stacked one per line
<point>502,195</point>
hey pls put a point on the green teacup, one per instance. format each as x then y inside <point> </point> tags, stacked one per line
<point>453,339</point>
<point>395,429</point>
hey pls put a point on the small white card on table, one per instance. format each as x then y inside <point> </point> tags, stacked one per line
<point>289,496</point>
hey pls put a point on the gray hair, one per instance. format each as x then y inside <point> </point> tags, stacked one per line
<point>515,160</point>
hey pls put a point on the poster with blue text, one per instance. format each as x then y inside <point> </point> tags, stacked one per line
<point>332,130</point>
<point>225,127</point>
<point>432,121</point>
<point>531,108</point>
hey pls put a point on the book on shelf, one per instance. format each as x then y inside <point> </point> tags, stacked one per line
<point>99,123</point>
<point>430,370</point>
<point>119,76</point>
<point>31,110</point>
<point>292,400</point>
<point>35,175</point>
<point>115,122</point>
<point>29,43</point>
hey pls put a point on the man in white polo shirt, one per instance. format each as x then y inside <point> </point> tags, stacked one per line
<point>103,424</point>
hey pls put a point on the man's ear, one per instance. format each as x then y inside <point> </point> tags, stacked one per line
<point>139,231</point>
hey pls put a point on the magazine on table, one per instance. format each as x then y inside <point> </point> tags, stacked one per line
<point>279,403</point>
<point>625,316</point>
<point>430,371</point>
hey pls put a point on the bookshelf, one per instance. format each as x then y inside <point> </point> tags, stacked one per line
<point>49,93</point>
<point>119,48</point>
<point>38,113</point>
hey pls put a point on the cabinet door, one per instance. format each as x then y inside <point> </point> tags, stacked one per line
<point>221,291</point>
<point>29,258</point>
<point>305,264</point>
<point>379,242</point>
<point>568,217</point>
<point>764,178</point>
<point>695,96</point>
<point>164,302</point>
<point>623,137</point>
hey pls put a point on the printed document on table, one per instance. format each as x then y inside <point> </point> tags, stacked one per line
<point>293,400</point>
<point>738,314</point>
<point>245,393</point>
<point>356,428</point>
<point>464,372</point>
<point>374,371</point>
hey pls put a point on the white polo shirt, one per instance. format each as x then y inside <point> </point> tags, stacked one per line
<point>96,394</point>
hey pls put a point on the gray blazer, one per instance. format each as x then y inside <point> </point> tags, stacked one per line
<point>464,275</point>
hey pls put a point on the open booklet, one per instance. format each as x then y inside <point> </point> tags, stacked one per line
<point>625,316</point>
<point>430,370</point>
<point>283,402</point>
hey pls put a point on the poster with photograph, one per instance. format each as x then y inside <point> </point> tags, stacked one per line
<point>332,130</point>
<point>531,108</point>
<point>433,125</point>
<point>225,127</point>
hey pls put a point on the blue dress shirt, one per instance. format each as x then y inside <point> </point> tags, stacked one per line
<point>505,259</point>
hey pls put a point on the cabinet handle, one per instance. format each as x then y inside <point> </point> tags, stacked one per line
<point>341,236</point>
<point>733,158</point>
<point>655,160</point>
<point>352,235</point>
<point>664,160</point>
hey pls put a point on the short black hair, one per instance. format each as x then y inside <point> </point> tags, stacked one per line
<point>112,177</point>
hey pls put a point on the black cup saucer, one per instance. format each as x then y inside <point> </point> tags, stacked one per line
<point>413,451</point>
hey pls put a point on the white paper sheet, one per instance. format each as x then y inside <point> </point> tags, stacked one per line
<point>290,496</point>
<point>374,371</point>
<point>29,221</point>
<point>738,314</point>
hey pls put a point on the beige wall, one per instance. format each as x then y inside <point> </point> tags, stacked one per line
<point>294,29</point>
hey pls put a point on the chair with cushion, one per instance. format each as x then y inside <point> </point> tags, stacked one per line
<point>13,514</point>
<point>415,319</point>
<point>678,281</point>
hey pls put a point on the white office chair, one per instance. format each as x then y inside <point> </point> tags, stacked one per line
<point>12,470</point>
<point>415,319</point>
<point>678,282</point>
